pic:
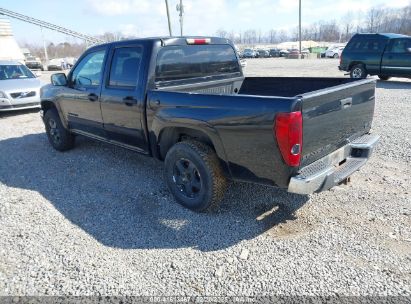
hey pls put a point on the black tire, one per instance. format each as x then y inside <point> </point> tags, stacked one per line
<point>335,56</point>
<point>382,77</point>
<point>59,137</point>
<point>194,175</point>
<point>358,71</point>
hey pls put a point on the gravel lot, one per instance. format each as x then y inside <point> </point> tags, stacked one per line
<point>98,220</point>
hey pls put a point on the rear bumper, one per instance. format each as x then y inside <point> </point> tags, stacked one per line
<point>334,168</point>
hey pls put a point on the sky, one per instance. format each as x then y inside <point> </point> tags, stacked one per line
<point>145,18</point>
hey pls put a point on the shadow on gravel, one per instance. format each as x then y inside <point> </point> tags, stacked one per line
<point>393,84</point>
<point>120,199</point>
<point>16,113</point>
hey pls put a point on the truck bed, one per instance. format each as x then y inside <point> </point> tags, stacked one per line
<point>335,111</point>
<point>288,86</point>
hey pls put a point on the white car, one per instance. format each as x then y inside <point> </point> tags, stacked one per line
<point>334,52</point>
<point>19,87</point>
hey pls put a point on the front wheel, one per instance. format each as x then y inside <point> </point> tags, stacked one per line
<point>358,72</point>
<point>335,56</point>
<point>194,175</point>
<point>58,136</point>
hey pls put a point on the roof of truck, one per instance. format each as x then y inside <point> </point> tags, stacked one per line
<point>387,35</point>
<point>167,40</point>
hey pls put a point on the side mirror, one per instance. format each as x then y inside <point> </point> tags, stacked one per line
<point>59,79</point>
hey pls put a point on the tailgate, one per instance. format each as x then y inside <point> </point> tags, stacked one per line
<point>335,116</point>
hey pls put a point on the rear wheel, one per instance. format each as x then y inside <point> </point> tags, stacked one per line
<point>58,136</point>
<point>194,175</point>
<point>382,77</point>
<point>335,55</point>
<point>358,71</point>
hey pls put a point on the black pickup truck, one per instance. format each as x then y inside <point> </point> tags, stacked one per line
<point>185,101</point>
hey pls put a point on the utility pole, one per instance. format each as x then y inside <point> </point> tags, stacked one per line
<point>180,8</point>
<point>299,26</point>
<point>168,19</point>
<point>46,56</point>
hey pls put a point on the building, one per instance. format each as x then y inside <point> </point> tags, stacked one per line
<point>9,49</point>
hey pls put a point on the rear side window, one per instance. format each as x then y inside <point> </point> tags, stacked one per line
<point>193,61</point>
<point>125,67</point>
<point>367,45</point>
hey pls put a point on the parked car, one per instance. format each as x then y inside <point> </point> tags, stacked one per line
<point>34,63</point>
<point>263,54</point>
<point>69,62</point>
<point>273,130</point>
<point>250,53</point>
<point>274,53</point>
<point>322,53</point>
<point>284,53</point>
<point>305,51</point>
<point>385,55</point>
<point>19,87</point>
<point>55,64</point>
<point>333,52</point>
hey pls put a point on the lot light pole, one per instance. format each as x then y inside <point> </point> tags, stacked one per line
<point>46,56</point>
<point>168,18</point>
<point>180,8</point>
<point>299,26</point>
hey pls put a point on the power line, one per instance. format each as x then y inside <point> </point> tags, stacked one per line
<point>44,24</point>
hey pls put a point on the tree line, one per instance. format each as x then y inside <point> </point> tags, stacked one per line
<point>377,19</point>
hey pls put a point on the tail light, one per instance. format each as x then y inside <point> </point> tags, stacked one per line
<point>340,59</point>
<point>288,130</point>
<point>198,40</point>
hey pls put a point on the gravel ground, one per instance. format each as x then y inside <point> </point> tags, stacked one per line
<point>98,220</point>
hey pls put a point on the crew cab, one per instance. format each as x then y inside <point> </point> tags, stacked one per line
<point>385,55</point>
<point>185,101</point>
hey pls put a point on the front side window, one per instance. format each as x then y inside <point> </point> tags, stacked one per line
<point>194,61</point>
<point>125,67</point>
<point>400,45</point>
<point>89,71</point>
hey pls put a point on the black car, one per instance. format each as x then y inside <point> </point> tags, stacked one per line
<point>274,53</point>
<point>384,55</point>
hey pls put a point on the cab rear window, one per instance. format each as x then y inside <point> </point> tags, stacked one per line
<point>194,61</point>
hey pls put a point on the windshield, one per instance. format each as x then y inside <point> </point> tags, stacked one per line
<point>14,71</point>
<point>193,61</point>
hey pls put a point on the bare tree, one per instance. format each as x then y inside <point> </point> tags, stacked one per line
<point>347,24</point>
<point>222,33</point>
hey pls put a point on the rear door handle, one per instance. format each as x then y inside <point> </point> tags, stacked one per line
<point>92,97</point>
<point>346,102</point>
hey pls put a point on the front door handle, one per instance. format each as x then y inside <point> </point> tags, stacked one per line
<point>129,101</point>
<point>92,97</point>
